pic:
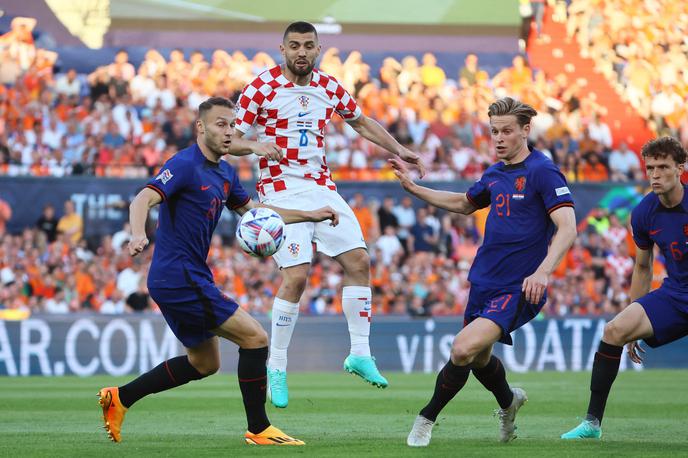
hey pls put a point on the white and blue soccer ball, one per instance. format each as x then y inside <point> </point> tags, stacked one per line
<point>260,232</point>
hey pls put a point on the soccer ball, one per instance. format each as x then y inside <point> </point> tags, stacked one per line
<point>260,232</point>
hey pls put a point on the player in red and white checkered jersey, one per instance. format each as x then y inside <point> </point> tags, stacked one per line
<point>290,106</point>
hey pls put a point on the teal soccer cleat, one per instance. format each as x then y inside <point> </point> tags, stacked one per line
<point>586,430</point>
<point>364,367</point>
<point>277,388</point>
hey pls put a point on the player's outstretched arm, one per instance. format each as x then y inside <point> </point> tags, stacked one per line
<point>535,285</point>
<point>456,202</point>
<point>243,147</point>
<point>291,216</point>
<point>372,130</point>
<point>138,214</point>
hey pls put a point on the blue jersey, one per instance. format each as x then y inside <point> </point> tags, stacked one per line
<point>653,223</point>
<point>518,228</point>
<point>194,191</point>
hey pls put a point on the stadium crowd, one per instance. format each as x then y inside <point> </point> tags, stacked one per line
<point>640,47</point>
<point>122,121</point>
<point>420,258</point>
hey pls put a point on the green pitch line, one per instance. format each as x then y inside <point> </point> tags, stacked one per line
<point>338,415</point>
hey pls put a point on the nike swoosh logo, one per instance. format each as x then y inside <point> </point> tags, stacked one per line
<point>492,183</point>
<point>655,232</point>
<point>205,188</point>
<point>302,114</point>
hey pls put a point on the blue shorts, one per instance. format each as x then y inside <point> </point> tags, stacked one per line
<point>191,312</point>
<point>506,307</point>
<point>667,310</point>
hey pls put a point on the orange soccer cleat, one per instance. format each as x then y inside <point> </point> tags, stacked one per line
<point>271,436</point>
<point>113,412</point>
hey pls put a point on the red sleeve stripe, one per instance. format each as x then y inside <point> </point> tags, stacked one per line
<point>248,199</point>
<point>565,204</point>
<point>159,191</point>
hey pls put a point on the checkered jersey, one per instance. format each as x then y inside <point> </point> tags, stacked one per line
<point>294,117</point>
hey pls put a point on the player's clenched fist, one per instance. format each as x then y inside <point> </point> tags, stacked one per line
<point>324,213</point>
<point>269,151</point>
<point>137,244</point>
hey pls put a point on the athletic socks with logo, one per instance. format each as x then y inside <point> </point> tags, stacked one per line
<point>356,302</point>
<point>284,316</point>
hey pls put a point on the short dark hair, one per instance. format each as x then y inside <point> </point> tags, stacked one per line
<point>663,147</point>
<point>208,105</point>
<point>300,27</point>
<point>507,106</point>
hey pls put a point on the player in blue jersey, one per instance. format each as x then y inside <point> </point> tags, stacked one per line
<point>192,188</point>
<point>530,227</point>
<point>660,316</point>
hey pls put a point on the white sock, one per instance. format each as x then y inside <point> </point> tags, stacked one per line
<point>356,302</point>
<point>284,316</point>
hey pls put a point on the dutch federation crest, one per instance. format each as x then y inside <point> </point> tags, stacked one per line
<point>303,101</point>
<point>520,183</point>
<point>685,230</point>
<point>225,188</point>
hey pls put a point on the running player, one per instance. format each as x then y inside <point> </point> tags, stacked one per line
<point>660,316</point>
<point>192,188</point>
<point>290,106</point>
<point>529,199</point>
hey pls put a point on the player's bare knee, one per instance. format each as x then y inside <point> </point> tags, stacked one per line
<point>256,337</point>
<point>614,334</point>
<point>462,355</point>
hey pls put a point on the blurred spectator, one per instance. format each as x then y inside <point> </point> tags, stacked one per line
<point>468,73</point>
<point>424,237</point>
<point>406,217</point>
<point>366,217</point>
<point>430,74</point>
<point>389,246</point>
<point>5,215</point>
<point>624,164</point>
<point>68,84</point>
<point>48,222</point>
<point>386,216</point>
<point>70,224</point>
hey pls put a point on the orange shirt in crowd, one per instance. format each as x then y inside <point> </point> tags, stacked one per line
<point>597,172</point>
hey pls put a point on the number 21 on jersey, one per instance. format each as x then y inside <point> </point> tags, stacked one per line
<point>502,204</point>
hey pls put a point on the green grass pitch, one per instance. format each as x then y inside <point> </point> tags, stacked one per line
<point>339,415</point>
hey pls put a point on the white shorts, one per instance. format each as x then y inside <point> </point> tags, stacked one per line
<point>331,241</point>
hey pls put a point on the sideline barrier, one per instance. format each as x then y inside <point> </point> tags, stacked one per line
<point>84,345</point>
